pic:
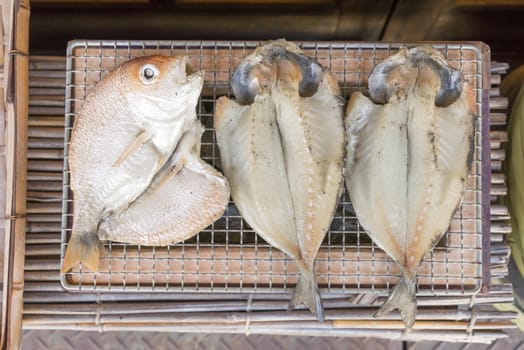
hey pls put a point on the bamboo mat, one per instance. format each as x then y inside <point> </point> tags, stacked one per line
<point>48,306</point>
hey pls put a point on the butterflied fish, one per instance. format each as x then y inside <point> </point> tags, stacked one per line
<point>282,148</point>
<point>124,133</point>
<point>410,147</point>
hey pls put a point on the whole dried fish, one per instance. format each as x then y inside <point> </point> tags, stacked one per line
<point>282,147</point>
<point>126,130</point>
<point>409,150</point>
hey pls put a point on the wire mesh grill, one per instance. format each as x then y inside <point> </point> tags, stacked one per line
<point>228,256</point>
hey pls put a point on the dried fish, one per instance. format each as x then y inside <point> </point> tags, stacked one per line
<point>410,147</point>
<point>129,133</point>
<point>282,148</point>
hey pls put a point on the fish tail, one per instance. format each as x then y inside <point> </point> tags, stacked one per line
<point>307,293</point>
<point>404,299</point>
<point>82,248</point>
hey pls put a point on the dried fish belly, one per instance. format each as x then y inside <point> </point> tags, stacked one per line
<point>185,197</point>
<point>409,151</point>
<point>132,129</point>
<point>282,147</point>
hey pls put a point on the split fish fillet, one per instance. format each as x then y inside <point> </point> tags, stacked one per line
<point>410,147</point>
<point>282,149</point>
<point>126,136</point>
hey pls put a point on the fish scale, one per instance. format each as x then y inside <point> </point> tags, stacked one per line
<point>135,139</point>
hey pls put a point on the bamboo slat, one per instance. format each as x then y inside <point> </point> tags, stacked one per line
<point>4,243</point>
<point>498,103</point>
<point>44,82</point>
<point>44,196</point>
<point>480,336</point>
<point>46,121</point>
<point>498,154</point>
<point>41,263</point>
<point>504,228</point>
<point>345,318</point>
<point>40,238</point>
<point>16,20</point>
<point>495,79</point>
<point>498,119</point>
<point>46,132</point>
<point>44,208</point>
<point>45,110</point>
<point>498,190</point>
<point>498,68</point>
<point>43,218</point>
<point>43,227</point>
<point>46,91</point>
<point>56,63</point>
<point>497,179</point>
<point>36,143</point>
<point>47,306</point>
<point>260,311</point>
<point>498,210</point>
<point>45,154</point>
<point>41,276</point>
<point>45,165</point>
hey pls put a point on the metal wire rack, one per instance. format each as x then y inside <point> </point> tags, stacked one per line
<point>228,256</point>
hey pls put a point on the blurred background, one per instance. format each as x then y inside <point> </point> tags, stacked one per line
<point>499,23</point>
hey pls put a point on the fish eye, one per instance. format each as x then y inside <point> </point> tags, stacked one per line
<point>148,73</point>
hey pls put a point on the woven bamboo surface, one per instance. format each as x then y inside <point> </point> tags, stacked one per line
<point>48,306</point>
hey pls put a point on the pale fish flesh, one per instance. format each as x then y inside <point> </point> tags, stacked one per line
<point>126,130</point>
<point>410,147</point>
<point>185,197</point>
<point>282,149</point>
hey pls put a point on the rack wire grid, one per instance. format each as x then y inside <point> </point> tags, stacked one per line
<point>228,256</point>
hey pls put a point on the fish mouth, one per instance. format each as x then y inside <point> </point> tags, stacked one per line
<point>182,71</point>
<point>258,71</point>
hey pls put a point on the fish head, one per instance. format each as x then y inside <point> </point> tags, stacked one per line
<point>422,68</point>
<point>251,77</point>
<point>158,85</point>
<point>391,78</point>
<point>311,73</point>
<point>451,80</point>
<point>278,62</point>
<point>295,68</point>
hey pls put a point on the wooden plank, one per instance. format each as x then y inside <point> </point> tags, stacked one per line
<point>17,96</point>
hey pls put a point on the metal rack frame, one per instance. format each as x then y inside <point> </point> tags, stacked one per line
<point>228,256</point>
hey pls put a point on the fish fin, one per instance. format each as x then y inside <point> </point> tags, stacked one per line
<point>188,145</point>
<point>402,298</point>
<point>82,248</point>
<point>138,142</point>
<point>197,194</point>
<point>164,177</point>
<point>222,107</point>
<point>307,293</point>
